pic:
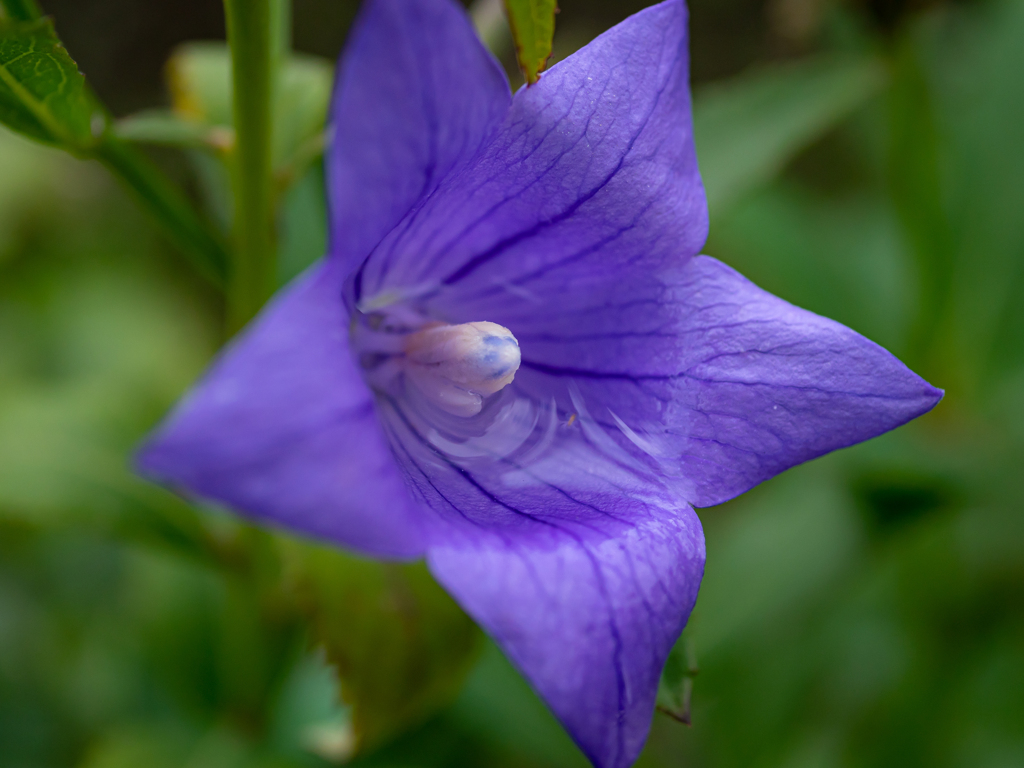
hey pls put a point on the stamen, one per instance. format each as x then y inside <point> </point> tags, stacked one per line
<point>457,366</point>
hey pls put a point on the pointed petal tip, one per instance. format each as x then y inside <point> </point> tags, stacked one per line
<point>154,460</point>
<point>283,428</point>
<point>934,396</point>
<point>145,461</point>
<point>924,402</point>
<point>589,623</point>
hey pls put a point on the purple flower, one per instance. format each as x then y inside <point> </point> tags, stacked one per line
<point>514,363</point>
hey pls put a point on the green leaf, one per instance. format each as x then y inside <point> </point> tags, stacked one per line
<point>45,97</point>
<point>30,174</point>
<point>300,109</point>
<point>131,747</point>
<point>971,63</point>
<point>42,93</point>
<point>19,10</point>
<point>308,715</point>
<point>401,645</point>
<point>168,205</point>
<point>916,182</point>
<point>163,127</point>
<point>199,76</point>
<point>842,256</point>
<point>491,24</point>
<point>533,29</point>
<point>303,224</point>
<point>747,129</point>
<point>676,685</point>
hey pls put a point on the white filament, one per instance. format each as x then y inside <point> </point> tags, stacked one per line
<point>457,366</point>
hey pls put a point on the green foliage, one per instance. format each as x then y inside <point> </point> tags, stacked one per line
<point>969,71</point>
<point>855,611</point>
<point>19,10</point>
<point>225,613</point>
<point>747,130</point>
<point>200,82</point>
<point>199,78</point>
<point>300,111</point>
<point>204,248</point>
<point>44,96</point>
<point>864,609</point>
<point>533,29</point>
<point>42,93</point>
<point>165,127</point>
<point>401,645</point>
<point>916,184</point>
<point>303,225</point>
<point>675,689</point>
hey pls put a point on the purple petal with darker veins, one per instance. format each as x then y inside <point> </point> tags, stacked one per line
<point>579,562</point>
<point>720,384</point>
<point>560,514</point>
<point>284,427</point>
<point>593,174</point>
<point>589,620</point>
<point>416,95</point>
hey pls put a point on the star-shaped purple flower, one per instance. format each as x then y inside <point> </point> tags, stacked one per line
<point>514,363</point>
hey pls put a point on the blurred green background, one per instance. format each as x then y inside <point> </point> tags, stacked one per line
<point>863,159</point>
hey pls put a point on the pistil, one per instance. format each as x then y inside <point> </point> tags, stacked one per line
<point>456,366</point>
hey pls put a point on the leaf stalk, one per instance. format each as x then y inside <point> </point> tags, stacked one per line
<point>168,204</point>
<point>254,35</point>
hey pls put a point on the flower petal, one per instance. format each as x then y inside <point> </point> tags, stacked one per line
<point>720,384</point>
<point>283,427</point>
<point>579,561</point>
<point>589,621</point>
<point>416,94</point>
<point>593,173</point>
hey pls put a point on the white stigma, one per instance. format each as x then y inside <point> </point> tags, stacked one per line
<point>457,366</point>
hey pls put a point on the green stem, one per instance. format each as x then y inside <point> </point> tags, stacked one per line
<point>20,10</point>
<point>281,20</point>
<point>255,51</point>
<point>167,204</point>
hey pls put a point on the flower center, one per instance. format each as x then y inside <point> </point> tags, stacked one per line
<point>456,366</point>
